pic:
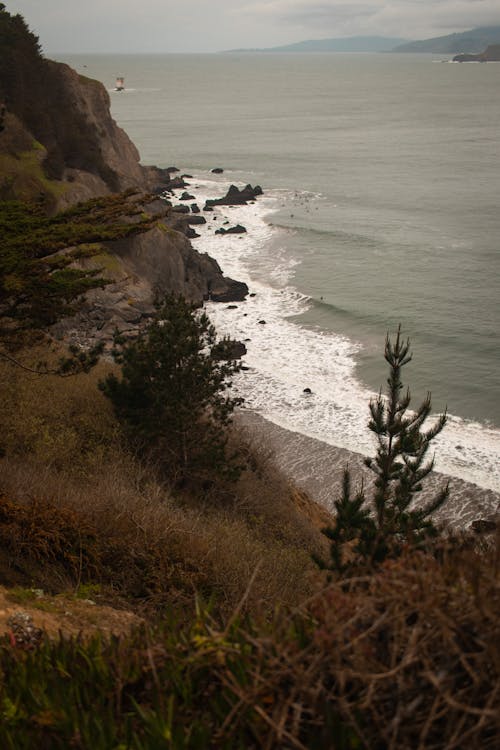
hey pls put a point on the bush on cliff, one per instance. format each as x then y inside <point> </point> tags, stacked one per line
<point>40,281</point>
<point>171,396</point>
<point>380,525</point>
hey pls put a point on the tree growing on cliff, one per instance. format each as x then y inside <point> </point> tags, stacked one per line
<point>41,280</point>
<point>172,396</point>
<point>379,525</point>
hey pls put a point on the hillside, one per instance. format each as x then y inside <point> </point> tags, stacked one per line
<point>472,41</point>
<point>341,44</point>
<point>490,54</point>
<point>58,141</point>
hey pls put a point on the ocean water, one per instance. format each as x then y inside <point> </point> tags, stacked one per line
<point>381,178</point>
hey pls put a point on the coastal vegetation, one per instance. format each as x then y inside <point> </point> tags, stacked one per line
<point>40,280</point>
<point>244,642</point>
<point>175,560</point>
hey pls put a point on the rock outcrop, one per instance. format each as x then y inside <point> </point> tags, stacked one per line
<point>76,152</point>
<point>235,196</point>
<point>142,268</point>
<point>229,349</point>
<point>58,141</point>
<point>490,54</point>
<point>237,229</point>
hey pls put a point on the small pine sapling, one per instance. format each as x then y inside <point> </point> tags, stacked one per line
<point>378,526</point>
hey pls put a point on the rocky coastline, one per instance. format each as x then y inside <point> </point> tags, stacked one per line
<point>142,268</point>
<point>62,148</point>
<point>41,162</point>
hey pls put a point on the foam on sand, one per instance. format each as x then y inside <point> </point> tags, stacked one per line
<point>284,357</point>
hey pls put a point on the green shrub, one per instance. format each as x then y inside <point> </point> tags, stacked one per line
<point>172,396</point>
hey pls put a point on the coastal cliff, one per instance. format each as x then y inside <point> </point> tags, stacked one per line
<point>59,146</point>
<point>140,268</point>
<point>58,141</point>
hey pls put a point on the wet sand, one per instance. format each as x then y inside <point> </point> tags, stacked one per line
<point>318,467</point>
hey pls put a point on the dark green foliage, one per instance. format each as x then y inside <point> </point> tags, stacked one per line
<point>17,44</point>
<point>378,526</point>
<point>37,282</point>
<point>171,395</point>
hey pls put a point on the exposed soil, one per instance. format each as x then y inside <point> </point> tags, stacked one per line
<point>64,614</point>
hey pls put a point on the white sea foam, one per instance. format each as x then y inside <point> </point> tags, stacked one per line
<point>285,357</point>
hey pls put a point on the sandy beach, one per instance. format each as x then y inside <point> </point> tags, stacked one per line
<point>318,467</point>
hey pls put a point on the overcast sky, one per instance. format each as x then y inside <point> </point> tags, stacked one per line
<point>211,25</point>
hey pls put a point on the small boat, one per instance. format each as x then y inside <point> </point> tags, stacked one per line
<point>120,83</point>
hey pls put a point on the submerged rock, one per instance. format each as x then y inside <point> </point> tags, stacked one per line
<point>485,525</point>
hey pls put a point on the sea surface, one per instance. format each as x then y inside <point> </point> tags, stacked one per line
<point>381,206</point>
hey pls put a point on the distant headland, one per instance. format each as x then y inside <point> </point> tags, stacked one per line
<point>471,42</point>
<point>490,54</point>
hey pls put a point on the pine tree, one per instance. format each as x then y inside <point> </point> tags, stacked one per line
<point>381,524</point>
<point>171,396</point>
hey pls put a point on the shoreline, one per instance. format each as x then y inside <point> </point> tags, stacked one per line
<point>318,467</point>
<point>301,456</point>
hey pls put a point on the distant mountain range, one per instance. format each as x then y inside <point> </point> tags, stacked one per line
<point>347,44</point>
<point>472,41</point>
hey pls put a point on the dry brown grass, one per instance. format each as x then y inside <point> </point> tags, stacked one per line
<point>407,656</point>
<point>60,422</point>
<point>415,650</point>
<point>122,529</point>
<point>404,658</point>
<point>267,501</point>
<point>70,478</point>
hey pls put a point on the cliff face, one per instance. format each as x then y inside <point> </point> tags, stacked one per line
<point>59,145</point>
<point>80,150</point>
<point>142,268</point>
<point>58,141</point>
<point>108,154</point>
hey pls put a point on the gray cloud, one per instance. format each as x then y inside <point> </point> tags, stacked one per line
<point>415,18</point>
<point>210,25</point>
